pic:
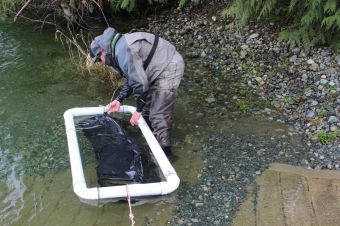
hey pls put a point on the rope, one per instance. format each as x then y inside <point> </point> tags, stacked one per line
<point>98,202</point>
<point>129,202</point>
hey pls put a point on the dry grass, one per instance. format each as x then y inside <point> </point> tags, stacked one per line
<point>79,57</point>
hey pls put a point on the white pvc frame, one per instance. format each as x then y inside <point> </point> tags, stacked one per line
<point>170,184</point>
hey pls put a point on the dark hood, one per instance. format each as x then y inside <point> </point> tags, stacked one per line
<point>102,41</point>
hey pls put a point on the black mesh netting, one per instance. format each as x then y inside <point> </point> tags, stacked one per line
<point>118,154</point>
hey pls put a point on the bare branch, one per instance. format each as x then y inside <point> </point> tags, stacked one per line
<point>39,21</point>
<point>101,10</point>
<point>22,8</point>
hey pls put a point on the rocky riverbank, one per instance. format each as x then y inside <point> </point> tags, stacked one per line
<point>252,74</point>
<point>303,86</point>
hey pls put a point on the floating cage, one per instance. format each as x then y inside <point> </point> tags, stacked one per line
<point>137,190</point>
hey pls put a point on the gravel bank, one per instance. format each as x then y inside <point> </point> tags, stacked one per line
<point>253,74</point>
<point>304,87</point>
<point>231,162</point>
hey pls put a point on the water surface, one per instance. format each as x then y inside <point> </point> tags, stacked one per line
<point>38,84</point>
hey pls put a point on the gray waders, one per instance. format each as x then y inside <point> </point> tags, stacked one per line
<point>161,99</point>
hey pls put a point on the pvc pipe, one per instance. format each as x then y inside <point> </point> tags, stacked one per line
<point>170,184</point>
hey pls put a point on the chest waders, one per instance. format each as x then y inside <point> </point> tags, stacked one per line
<point>145,63</point>
<point>114,59</point>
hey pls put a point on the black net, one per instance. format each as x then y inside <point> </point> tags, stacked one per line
<point>118,154</point>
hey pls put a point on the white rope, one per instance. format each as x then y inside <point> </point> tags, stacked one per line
<point>129,202</point>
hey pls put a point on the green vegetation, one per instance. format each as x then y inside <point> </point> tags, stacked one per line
<point>90,6</point>
<point>130,5</point>
<point>304,22</point>
<point>79,13</point>
<point>247,69</point>
<point>287,100</point>
<point>264,104</point>
<point>285,64</point>
<point>243,105</point>
<point>327,137</point>
<point>247,99</point>
<point>184,2</point>
<point>323,112</point>
<point>331,89</point>
<point>193,54</point>
<point>7,6</point>
<point>78,56</point>
<point>308,22</point>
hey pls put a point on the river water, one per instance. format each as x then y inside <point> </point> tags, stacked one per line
<point>38,84</point>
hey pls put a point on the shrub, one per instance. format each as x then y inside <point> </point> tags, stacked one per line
<point>308,22</point>
<point>7,6</point>
<point>182,3</point>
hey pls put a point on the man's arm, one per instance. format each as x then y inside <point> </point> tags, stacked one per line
<point>137,81</point>
<point>124,92</point>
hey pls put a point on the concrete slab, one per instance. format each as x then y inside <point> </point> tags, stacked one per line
<point>287,195</point>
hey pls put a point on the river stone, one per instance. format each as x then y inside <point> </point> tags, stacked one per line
<point>296,50</point>
<point>258,79</point>
<point>304,77</point>
<point>180,221</point>
<point>243,54</point>
<point>331,83</point>
<point>322,66</point>
<point>333,128</point>
<point>308,93</point>
<point>293,58</point>
<point>324,92</point>
<point>310,114</point>
<point>323,81</point>
<point>331,71</point>
<point>337,59</point>
<point>302,54</point>
<point>291,70</point>
<point>325,53</point>
<point>199,204</point>
<point>252,36</point>
<point>310,61</point>
<point>210,100</point>
<point>333,119</point>
<point>314,103</point>
<point>314,67</point>
<point>276,49</point>
<point>244,47</point>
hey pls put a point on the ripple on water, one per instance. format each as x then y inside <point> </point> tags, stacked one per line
<point>12,190</point>
<point>9,51</point>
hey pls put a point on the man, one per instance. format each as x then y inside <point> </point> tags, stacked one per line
<point>153,70</point>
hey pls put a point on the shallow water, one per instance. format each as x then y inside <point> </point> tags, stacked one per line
<point>37,85</point>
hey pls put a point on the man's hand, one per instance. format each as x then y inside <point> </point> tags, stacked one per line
<point>114,106</point>
<point>135,117</point>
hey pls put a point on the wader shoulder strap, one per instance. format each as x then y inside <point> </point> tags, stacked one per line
<point>113,53</point>
<point>152,52</point>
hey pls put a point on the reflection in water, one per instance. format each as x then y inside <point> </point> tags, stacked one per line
<point>13,202</point>
<point>50,201</point>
